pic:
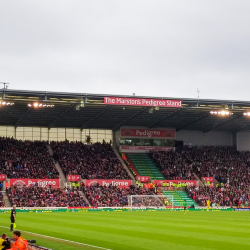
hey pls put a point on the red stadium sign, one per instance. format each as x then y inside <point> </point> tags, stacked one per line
<point>74,177</point>
<point>2,177</point>
<point>148,133</point>
<point>210,179</point>
<point>143,178</point>
<point>160,182</point>
<point>30,182</point>
<point>120,183</point>
<point>142,102</point>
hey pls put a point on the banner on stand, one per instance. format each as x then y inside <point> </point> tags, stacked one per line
<point>148,133</point>
<point>120,183</point>
<point>31,182</point>
<point>160,182</point>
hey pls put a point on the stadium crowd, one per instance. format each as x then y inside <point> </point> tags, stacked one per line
<point>223,163</point>
<point>2,203</point>
<point>95,161</point>
<point>173,165</point>
<point>220,196</point>
<point>25,159</point>
<point>112,196</point>
<point>228,166</point>
<point>34,196</point>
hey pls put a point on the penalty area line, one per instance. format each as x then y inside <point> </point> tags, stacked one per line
<point>74,242</point>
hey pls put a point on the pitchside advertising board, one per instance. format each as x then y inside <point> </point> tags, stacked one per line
<point>74,177</point>
<point>120,183</point>
<point>142,102</point>
<point>31,182</point>
<point>160,182</point>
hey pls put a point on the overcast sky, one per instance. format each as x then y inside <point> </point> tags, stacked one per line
<point>155,48</point>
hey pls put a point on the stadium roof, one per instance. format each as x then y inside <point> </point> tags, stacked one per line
<point>78,110</point>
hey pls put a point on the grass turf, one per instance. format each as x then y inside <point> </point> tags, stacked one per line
<point>137,230</point>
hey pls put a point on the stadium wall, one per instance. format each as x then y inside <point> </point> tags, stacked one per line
<point>243,141</point>
<point>199,138</point>
<point>55,134</point>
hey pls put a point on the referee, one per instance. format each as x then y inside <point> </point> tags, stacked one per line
<point>13,217</point>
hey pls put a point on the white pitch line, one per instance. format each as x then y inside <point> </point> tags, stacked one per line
<point>75,242</point>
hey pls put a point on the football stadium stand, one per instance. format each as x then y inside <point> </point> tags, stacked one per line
<point>65,120</point>
<point>26,159</point>
<point>95,161</point>
<point>112,196</point>
<point>145,166</point>
<point>34,196</point>
<point>221,195</point>
<point>2,203</point>
<point>179,197</point>
<point>174,165</point>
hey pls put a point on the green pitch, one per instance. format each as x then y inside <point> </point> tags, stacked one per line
<point>136,230</point>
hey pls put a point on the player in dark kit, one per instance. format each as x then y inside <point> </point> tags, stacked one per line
<point>12,217</point>
<point>185,206</point>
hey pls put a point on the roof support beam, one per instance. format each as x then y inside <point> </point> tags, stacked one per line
<point>243,128</point>
<point>22,117</point>
<point>52,124</point>
<point>131,117</point>
<point>104,111</point>
<point>165,118</point>
<point>223,123</point>
<point>192,122</point>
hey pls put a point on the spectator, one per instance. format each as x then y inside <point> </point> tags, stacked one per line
<point>4,242</point>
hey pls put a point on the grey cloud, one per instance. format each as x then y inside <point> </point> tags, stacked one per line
<point>160,48</point>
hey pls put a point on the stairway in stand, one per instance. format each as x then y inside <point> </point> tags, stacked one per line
<point>6,199</point>
<point>145,166</point>
<point>179,197</point>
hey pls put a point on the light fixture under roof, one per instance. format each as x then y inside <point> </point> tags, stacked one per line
<point>40,105</point>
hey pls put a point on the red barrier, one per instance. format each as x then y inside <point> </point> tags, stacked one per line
<point>131,165</point>
<point>210,179</point>
<point>2,177</point>
<point>143,178</point>
<point>74,177</point>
